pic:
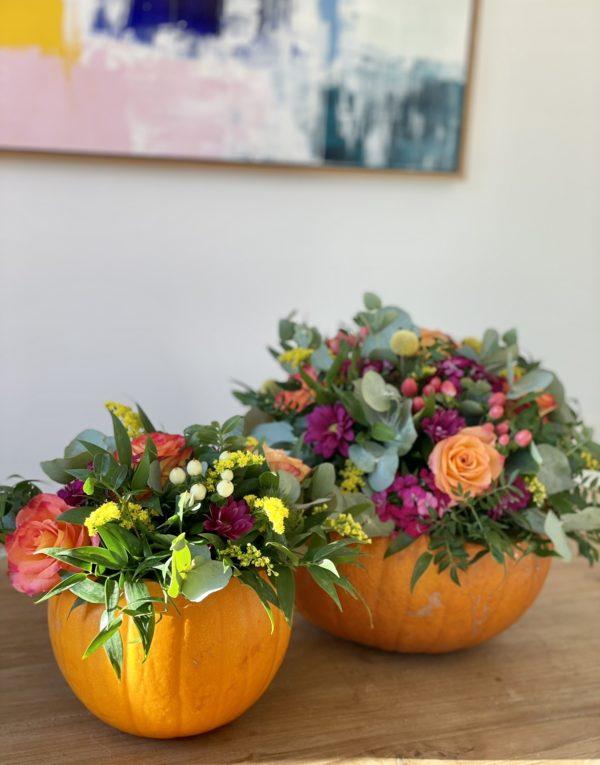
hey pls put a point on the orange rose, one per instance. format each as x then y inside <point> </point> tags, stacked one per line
<point>277,459</point>
<point>37,528</point>
<point>546,404</point>
<point>467,460</point>
<point>171,449</point>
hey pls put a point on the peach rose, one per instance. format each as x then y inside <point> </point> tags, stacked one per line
<point>277,459</point>
<point>468,460</point>
<point>38,528</point>
<point>171,449</point>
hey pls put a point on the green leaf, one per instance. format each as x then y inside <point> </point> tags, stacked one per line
<point>275,433</point>
<point>206,577</point>
<point>120,542</point>
<point>555,532</point>
<point>398,543</point>
<point>289,487</point>
<point>136,592</point>
<point>105,634</point>
<point>88,590</point>
<point>78,555</point>
<point>76,515</point>
<point>587,519</point>
<point>323,481</point>
<point>122,441</point>
<point>286,591</point>
<point>146,424</point>
<point>64,584</point>
<point>385,470</point>
<point>371,301</point>
<point>533,382</point>
<point>555,471</point>
<point>155,476</point>
<point>326,581</point>
<point>286,330</point>
<point>362,458</point>
<point>382,432</point>
<point>420,568</point>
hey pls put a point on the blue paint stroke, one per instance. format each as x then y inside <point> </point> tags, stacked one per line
<point>146,17</point>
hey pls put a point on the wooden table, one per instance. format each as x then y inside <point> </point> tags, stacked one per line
<point>532,693</point>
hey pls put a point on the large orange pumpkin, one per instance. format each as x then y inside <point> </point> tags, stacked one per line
<point>207,664</point>
<point>438,616</point>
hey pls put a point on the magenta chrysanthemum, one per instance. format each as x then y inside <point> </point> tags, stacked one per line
<point>330,430</point>
<point>231,521</point>
<point>408,502</point>
<point>443,424</point>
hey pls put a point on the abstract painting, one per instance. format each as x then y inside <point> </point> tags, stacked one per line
<point>351,83</point>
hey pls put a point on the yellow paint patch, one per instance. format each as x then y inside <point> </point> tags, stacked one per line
<point>36,23</point>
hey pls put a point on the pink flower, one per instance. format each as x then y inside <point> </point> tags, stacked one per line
<point>37,528</point>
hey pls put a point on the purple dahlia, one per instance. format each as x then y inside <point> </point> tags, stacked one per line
<point>330,430</point>
<point>231,521</point>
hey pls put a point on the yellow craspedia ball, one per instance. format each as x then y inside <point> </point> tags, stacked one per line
<point>404,343</point>
<point>474,343</point>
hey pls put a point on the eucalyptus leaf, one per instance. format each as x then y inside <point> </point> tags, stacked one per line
<point>206,577</point>
<point>533,382</point>
<point>289,487</point>
<point>362,458</point>
<point>587,519</point>
<point>555,532</point>
<point>385,470</point>
<point>323,481</point>
<point>275,433</point>
<point>371,301</point>
<point>321,359</point>
<point>555,471</point>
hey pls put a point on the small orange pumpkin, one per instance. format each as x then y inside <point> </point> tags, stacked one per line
<point>438,616</point>
<point>207,664</point>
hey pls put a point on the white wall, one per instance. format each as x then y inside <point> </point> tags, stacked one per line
<point>164,281</point>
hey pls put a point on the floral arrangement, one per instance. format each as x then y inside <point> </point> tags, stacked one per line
<point>466,442</point>
<point>186,511</point>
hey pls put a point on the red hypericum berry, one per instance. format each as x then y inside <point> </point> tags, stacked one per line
<point>497,399</point>
<point>436,383</point>
<point>523,438</point>
<point>503,427</point>
<point>488,426</point>
<point>417,403</point>
<point>409,387</point>
<point>429,390</point>
<point>449,389</point>
<point>496,412</point>
<point>504,439</point>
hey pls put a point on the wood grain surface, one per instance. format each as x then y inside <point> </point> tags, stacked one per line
<point>531,694</point>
